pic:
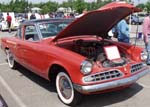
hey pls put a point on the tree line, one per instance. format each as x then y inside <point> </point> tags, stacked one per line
<point>21,6</point>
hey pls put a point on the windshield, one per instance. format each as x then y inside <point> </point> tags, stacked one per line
<point>52,28</point>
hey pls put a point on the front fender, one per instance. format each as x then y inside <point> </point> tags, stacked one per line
<point>69,60</point>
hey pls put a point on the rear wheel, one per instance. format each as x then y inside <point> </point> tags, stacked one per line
<point>66,91</point>
<point>11,62</point>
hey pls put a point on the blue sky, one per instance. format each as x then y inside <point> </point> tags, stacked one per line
<point>60,1</point>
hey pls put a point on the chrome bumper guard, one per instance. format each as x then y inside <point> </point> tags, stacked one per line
<point>112,84</point>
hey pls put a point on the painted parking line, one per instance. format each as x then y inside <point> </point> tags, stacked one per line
<point>3,64</point>
<point>15,97</point>
<point>145,86</point>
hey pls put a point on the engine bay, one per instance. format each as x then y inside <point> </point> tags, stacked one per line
<point>94,51</point>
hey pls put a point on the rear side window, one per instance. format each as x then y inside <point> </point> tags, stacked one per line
<point>52,28</point>
<point>31,33</point>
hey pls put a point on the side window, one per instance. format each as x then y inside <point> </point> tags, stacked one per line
<point>31,33</point>
<point>61,26</point>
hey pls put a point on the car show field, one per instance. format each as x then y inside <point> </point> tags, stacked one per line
<point>94,55</point>
<point>21,88</point>
<point>100,67</point>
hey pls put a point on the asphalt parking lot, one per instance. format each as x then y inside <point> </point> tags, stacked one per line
<point>22,88</point>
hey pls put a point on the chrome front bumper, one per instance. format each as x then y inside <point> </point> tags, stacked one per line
<point>112,84</point>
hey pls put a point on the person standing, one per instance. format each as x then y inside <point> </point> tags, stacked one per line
<point>146,34</point>
<point>9,19</point>
<point>123,30</point>
<point>32,16</point>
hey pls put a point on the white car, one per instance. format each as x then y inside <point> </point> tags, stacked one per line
<point>14,24</point>
<point>3,26</point>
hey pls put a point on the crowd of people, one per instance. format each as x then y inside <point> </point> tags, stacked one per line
<point>55,15</point>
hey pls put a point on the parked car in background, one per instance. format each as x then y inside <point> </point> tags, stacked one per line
<point>59,15</point>
<point>136,20</point>
<point>14,23</point>
<point>142,15</point>
<point>75,54</point>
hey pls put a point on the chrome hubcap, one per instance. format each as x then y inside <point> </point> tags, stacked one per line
<point>65,87</point>
<point>10,58</point>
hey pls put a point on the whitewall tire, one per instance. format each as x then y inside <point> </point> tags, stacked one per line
<point>65,90</point>
<point>11,62</point>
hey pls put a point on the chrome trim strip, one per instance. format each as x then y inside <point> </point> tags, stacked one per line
<point>121,75</point>
<point>136,67</point>
<point>112,84</point>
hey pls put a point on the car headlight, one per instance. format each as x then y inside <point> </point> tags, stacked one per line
<point>144,55</point>
<point>86,67</point>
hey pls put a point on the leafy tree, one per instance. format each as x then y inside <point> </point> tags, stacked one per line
<point>69,3</point>
<point>45,9</point>
<point>48,7</point>
<point>90,6</point>
<point>51,6</point>
<point>79,6</point>
<point>147,6</point>
<point>141,6</point>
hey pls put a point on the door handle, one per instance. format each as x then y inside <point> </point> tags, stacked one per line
<point>24,50</point>
<point>18,45</point>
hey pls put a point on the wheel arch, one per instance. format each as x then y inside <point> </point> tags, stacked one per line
<point>6,48</point>
<point>54,70</point>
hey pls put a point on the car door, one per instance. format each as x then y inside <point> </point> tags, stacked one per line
<point>19,35</point>
<point>14,43</point>
<point>31,47</point>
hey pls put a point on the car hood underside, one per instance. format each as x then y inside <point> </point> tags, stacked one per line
<point>98,22</point>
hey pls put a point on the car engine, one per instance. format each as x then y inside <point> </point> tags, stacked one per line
<point>94,50</point>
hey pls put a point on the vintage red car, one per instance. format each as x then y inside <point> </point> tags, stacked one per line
<point>79,59</point>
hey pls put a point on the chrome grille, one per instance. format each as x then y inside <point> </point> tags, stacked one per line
<point>136,67</point>
<point>103,76</point>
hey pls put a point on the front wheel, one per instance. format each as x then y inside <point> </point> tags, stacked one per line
<point>11,62</point>
<point>66,91</point>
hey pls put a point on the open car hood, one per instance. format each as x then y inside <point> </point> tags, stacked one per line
<point>98,22</point>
